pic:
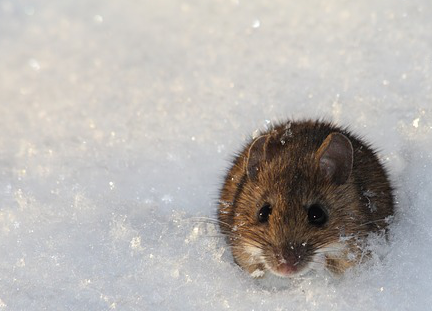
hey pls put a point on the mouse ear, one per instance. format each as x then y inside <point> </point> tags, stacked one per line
<point>255,155</point>
<point>263,148</point>
<point>335,157</point>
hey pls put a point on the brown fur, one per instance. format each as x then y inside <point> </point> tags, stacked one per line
<point>289,178</point>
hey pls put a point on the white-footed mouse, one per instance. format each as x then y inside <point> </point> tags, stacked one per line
<point>301,195</point>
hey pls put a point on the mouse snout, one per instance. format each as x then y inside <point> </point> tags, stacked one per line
<point>292,259</point>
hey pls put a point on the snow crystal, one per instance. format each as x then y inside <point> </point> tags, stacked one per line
<point>119,120</point>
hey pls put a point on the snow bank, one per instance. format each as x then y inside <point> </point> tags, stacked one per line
<point>120,118</point>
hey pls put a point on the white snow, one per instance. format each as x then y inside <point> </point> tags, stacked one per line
<point>119,119</point>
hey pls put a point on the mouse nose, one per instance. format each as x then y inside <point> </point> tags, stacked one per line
<point>286,269</point>
<point>292,258</point>
<point>288,265</point>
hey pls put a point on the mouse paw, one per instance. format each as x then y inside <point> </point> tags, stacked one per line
<point>256,270</point>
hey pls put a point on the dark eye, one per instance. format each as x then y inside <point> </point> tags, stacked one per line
<point>317,215</point>
<point>264,213</point>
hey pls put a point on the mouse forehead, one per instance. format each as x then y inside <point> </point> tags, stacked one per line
<point>291,171</point>
<point>292,184</point>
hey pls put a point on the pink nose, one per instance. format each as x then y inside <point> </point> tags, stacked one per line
<point>286,268</point>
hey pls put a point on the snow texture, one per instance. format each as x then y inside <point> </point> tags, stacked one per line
<point>119,120</point>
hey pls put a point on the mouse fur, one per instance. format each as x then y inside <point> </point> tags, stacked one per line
<point>303,195</point>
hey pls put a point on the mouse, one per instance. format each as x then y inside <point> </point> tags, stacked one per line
<point>301,196</point>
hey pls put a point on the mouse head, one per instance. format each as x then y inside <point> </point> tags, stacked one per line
<point>298,208</point>
<point>334,157</point>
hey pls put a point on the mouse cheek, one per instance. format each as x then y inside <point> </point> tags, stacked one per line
<point>337,257</point>
<point>253,251</point>
<point>248,253</point>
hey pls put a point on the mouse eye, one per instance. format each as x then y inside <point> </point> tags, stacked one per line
<point>264,213</point>
<point>317,215</point>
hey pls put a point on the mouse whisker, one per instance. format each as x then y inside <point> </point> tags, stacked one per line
<point>329,251</point>
<point>208,220</point>
<point>385,220</point>
<point>325,265</point>
<point>214,235</point>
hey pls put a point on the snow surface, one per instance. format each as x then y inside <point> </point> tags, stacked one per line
<point>119,119</point>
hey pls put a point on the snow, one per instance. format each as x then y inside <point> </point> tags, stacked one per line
<point>119,120</point>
